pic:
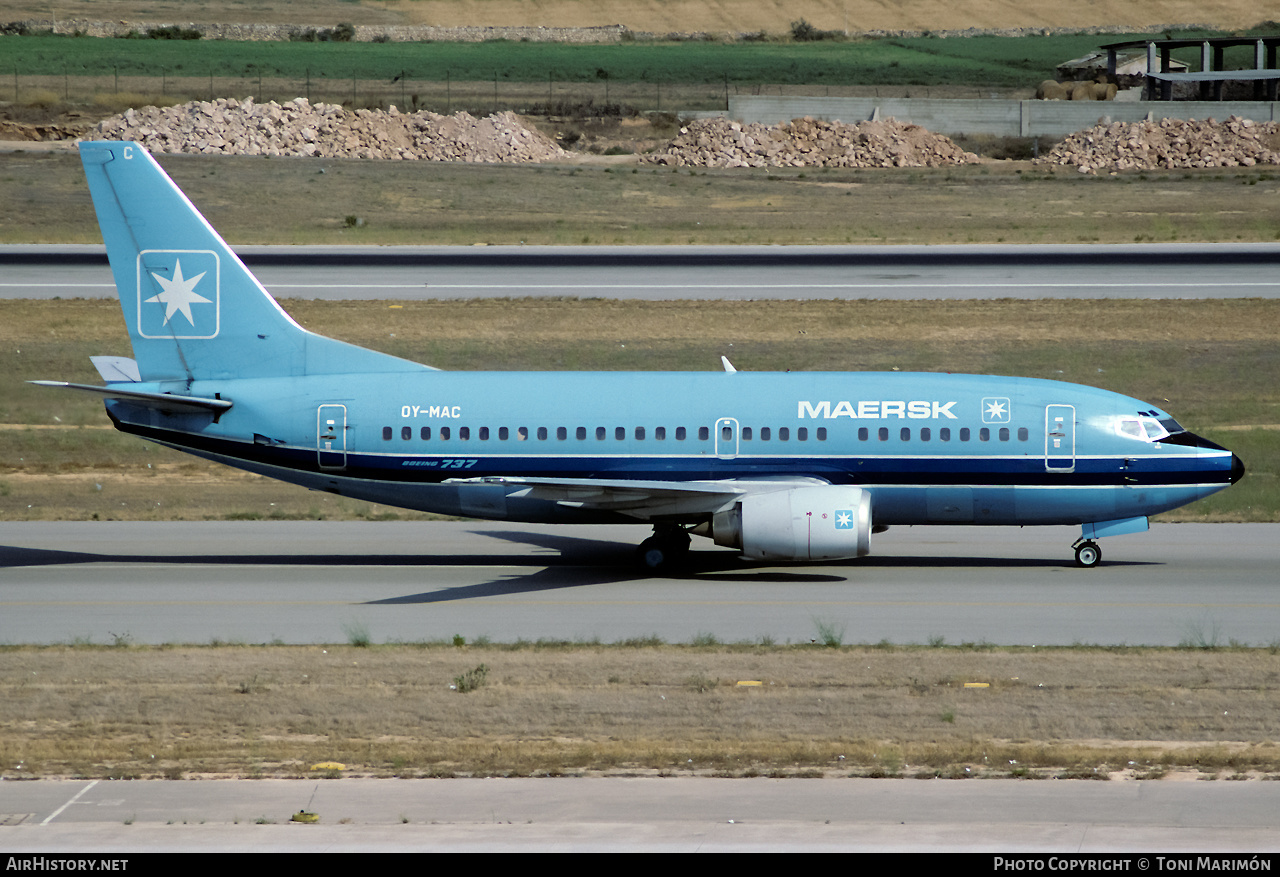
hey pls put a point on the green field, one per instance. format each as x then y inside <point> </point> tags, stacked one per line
<point>998,62</point>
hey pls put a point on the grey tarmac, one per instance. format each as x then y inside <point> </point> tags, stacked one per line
<point>669,273</point>
<point>309,582</point>
<point>668,814</point>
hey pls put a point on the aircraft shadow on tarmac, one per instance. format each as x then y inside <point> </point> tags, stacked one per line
<point>577,562</point>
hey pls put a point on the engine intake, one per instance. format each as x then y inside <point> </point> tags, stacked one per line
<point>830,522</point>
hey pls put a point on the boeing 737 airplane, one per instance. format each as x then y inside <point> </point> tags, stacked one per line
<point>783,467</point>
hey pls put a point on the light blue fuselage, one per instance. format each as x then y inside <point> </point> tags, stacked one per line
<point>924,444</point>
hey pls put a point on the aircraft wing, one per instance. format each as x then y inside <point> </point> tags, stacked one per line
<point>169,403</point>
<point>646,500</point>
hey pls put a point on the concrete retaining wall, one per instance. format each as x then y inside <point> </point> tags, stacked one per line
<point>1002,118</point>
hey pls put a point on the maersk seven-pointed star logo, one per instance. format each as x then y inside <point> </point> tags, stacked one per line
<point>995,409</point>
<point>844,520</point>
<point>178,294</point>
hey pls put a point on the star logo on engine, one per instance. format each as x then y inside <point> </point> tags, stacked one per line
<point>844,520</point>
<point>995,409</point>
<point>178,293</point>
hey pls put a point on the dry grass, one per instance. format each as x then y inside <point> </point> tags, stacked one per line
<point>446,203</point>
<point>774,16</point>
<point>310,12</point>
<point>563,708</point>
<point>664,16</point>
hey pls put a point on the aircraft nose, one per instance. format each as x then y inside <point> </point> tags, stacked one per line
<point>1237,468</point>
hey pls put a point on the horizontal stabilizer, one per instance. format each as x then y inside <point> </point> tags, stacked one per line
<point>168,403</point>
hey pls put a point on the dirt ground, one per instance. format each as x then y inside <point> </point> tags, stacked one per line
<point>661,16</point>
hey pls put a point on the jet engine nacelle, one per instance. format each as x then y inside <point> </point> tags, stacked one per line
<point>830,522</point>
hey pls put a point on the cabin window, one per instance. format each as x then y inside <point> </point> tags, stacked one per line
<point>1023,434</point>
<point>984,435</point>
<point>426,433</point>
<point>484,433</point>
<point>784,434</point>
<point>746,433</point>
<point>581,433</point>
<point>680,433</point>
<point>863,434</point>
<point>925,434</point>
<point>639,433</point>
<point>620,432</point>
<point>1004,433</point>
<point>822,433</point>
<point>601,433</point>
<point>464,433</point>
<point>802,434</point>
<point>704,433</point>
<point>444,433</point>
<point>764,433</point>
<point>503,433</point>
<point>726,433</point>
<point>883,433</point>
<point>562,434</point>
<point>660,433</point>
<point>964,433</point>
<point>522,433</point>
<point>386,433</point>
<point>905,434</point>
<point>944,434</point>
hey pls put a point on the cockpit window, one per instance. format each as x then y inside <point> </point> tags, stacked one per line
<point>1147,428</point>
<point>1155,431</point>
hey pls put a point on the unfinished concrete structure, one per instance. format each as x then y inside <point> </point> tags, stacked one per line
<point>1209,81</point>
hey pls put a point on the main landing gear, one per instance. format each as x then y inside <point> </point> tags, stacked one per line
<point>667,547</point>
<point>1088,554</point>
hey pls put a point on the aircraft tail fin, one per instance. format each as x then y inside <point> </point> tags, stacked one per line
<point>193,309</point>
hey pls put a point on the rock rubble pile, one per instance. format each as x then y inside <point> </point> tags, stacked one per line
<point>300,128</point>
<point>1169,143</point>
<point>809,143</point>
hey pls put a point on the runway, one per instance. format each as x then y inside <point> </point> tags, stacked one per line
<point>1068,817</point>
<point>1152,271</point>
<point>314,582</point>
